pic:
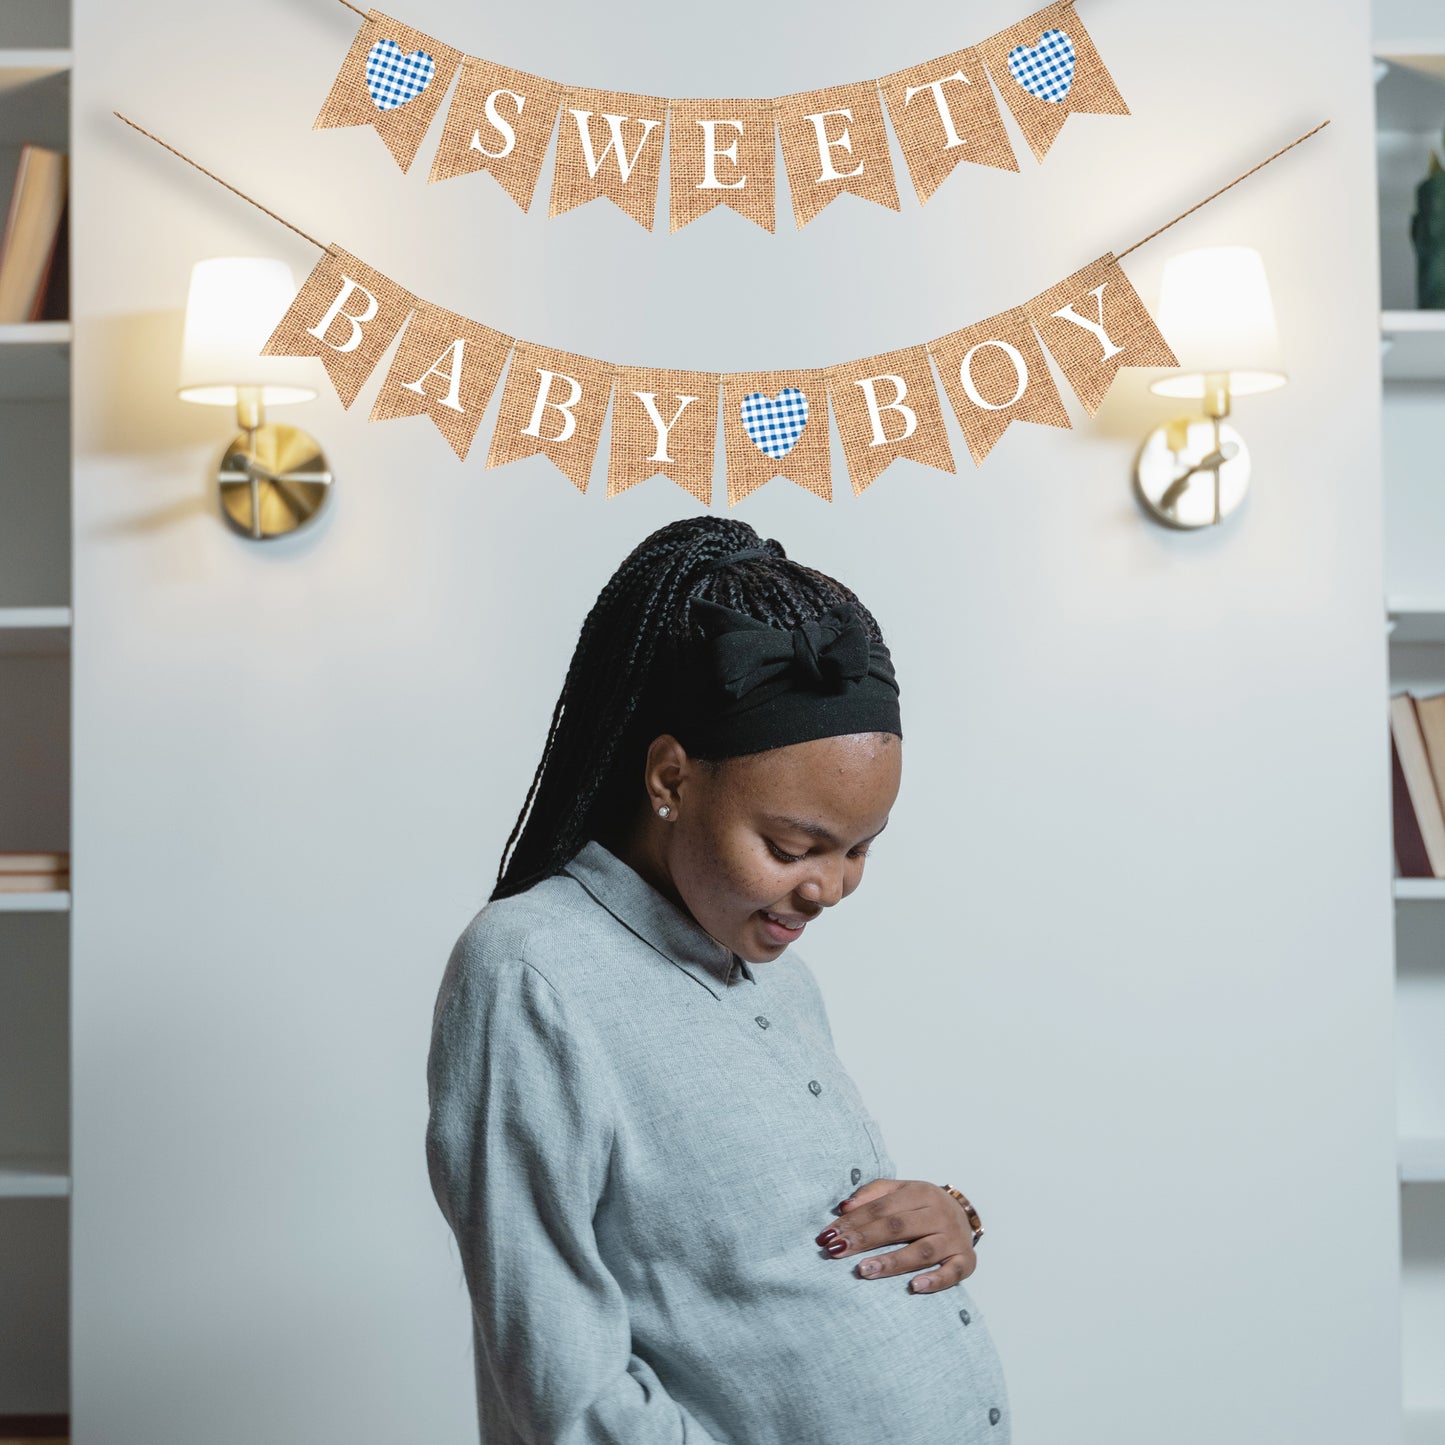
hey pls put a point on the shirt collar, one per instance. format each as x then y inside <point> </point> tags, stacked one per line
<point>655,918</point>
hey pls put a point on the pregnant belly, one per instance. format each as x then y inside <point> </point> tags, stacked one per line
<point>817,1356</point>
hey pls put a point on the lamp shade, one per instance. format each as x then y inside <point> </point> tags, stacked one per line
<point>233,306</point>
<point>1216,312</point>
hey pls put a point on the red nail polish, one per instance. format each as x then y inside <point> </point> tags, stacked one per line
<point>826,1236</point>
<point>838,1246</point>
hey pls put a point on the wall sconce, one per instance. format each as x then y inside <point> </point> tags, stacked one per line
<point>1216,311</point>
<point>273,479</point>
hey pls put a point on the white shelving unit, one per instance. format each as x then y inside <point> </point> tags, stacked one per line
<point>1410,116</point>
<point>35,633</point>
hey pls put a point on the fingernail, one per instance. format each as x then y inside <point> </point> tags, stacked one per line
<point>826,1235</point>
<point>838,1246</point>
<point>869,1266</point>
<point>922,1284</point>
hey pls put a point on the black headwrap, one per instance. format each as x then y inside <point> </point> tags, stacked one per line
<point>747,686</point>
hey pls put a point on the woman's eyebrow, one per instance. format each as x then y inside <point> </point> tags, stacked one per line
<point>804,825</point>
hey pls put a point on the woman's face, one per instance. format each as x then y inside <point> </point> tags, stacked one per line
<point>783,832</point>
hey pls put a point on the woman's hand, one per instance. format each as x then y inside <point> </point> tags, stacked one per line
<point>905,1211</point>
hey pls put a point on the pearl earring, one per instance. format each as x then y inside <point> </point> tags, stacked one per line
<point>663,811</point>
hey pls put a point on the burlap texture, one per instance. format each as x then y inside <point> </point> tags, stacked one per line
<point>691,438</point>
<point>754,147</point>
<point>456,362</point>
<point>924,439</point>
<point>1093,91</point>
<point>573,183</point>
<point>994,374</point>
<point>1081,352</point>
<point>325,285</point>
<point>572,450</point>
<point>467,121</point>
<point>808,463</point>
<point>807,163</point>
<point>950,121</point>
<point>404,127</point>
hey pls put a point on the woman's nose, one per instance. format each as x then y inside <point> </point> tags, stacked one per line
<point>825,887</point>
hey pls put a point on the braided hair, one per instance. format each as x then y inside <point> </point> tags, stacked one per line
<point>589,781</point>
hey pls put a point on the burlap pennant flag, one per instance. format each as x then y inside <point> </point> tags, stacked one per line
<point>609,144</point>
<point>775,424</point>
<point>500,121</point>
<point>345,313</point>
<point>664,421</point>
<point>995,373</point>
<point>554,402</point>
<point>394,78</point>
<point>1046,68</point>
<point>945,112</point>
<point>447,367</point>
<point>834,141</point>
<point>1094,324</point>
<point>721,153</point>
<point>887,408</point>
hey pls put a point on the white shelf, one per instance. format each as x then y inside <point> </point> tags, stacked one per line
<point>17,67</point>
<point>34,631</point>
<point>1422,1161</point>
<point>1414,344</point>
<point>1420,890</point>
<point>35,361</point>
<point>1415,620</point>
<point>34,1179</point>
<point>34,902</point>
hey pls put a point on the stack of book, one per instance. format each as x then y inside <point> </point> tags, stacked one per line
<point>1417,753</point>
<point>34,872</point>
<point>34,271</point>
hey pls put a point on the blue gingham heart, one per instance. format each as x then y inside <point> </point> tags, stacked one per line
<point>1047,69</point>
<point>394,78</point>
<point>775,424</point>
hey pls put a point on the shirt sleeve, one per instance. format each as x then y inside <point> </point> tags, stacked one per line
<point>518,1145</point>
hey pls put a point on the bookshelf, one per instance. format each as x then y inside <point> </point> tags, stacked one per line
<point>35,633</point>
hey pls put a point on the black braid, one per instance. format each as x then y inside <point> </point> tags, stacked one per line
<point>589,781</point>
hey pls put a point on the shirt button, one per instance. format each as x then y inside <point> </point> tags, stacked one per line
<point>856,1175</point>
<point>815,1086</point>
<point>994,1416</point>
<point>964,1316</point>
<point>761,1022</point>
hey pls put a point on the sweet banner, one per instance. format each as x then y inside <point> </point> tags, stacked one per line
<point>775,423</point>
<point>834,140</point>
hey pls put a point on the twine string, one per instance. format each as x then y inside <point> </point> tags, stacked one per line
<point>319,246</point>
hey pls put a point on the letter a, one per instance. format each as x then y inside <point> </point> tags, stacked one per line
<point>452,376</point>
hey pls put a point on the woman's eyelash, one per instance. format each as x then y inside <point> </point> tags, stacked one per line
<point>798,857</point>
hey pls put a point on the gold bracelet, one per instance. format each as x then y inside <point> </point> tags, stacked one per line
<point>968,1209</point>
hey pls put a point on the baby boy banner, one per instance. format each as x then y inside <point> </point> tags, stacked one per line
<point>775,423</point>
<point>720,152</point>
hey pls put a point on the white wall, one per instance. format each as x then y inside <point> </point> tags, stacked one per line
<point>1122,967</point>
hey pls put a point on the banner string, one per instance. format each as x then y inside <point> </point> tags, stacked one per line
<point>1119,257</point>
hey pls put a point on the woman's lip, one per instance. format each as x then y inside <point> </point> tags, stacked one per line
<point>778,933</point>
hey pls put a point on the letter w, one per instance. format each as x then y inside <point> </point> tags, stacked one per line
<point>614,124</point>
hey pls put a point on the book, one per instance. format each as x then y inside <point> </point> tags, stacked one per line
<point>1431,713</point>
<point>32,228</point>
<point>1419,817</point>
<point>34,882</point>
<point>34,862</point>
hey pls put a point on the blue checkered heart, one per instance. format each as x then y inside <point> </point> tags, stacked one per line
<point>394,78</point>
<point>1046,70</point>
<point>775,424</point>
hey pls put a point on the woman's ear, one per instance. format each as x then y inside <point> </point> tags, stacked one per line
<point>665,774</point>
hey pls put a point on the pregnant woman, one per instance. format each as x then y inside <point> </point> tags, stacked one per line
<point>676,1218</point>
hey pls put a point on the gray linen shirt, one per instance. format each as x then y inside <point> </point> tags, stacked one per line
<point>635,1136</point>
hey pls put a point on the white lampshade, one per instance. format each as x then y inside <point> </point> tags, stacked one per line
<point>233,306</point>
<point>1217,315</point>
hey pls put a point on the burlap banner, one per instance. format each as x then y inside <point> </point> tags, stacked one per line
<point>664,422</point>
<point>500,121</point>
<point>887,408</point>
<point>347,314</point>
<point>446,367</point>
<point>775,423</point>
<point>394,78</point>
<point>553,403</point>
<point>1048,69</point>
<point>721,152</point>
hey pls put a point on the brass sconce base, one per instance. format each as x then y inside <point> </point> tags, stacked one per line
<point>1192,472</point>
<point>274,480</point>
